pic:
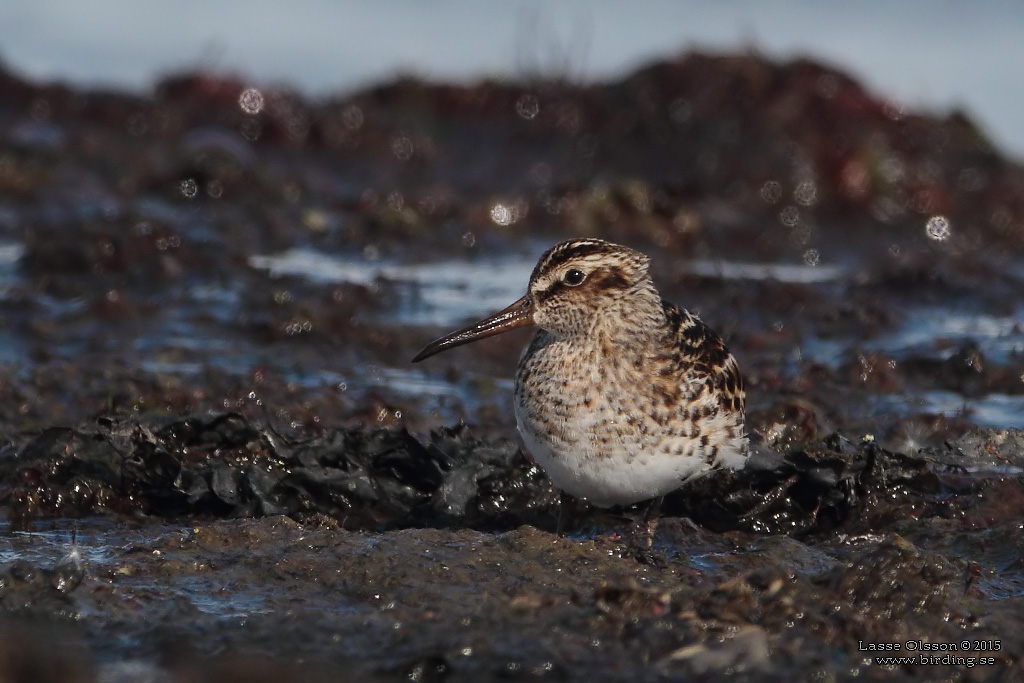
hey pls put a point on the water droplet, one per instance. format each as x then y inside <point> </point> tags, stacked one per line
<point>188,188</point>
<point>938,228</point>
<point>503,214</point>
<point>789,216</point>
<point>771,191</point>
<point>806,193</point>
<point>812,257</point>
<point>402,147</point>
<point>251,101</point>
<point>468,239</point>
<point>528,107</point>
<point>352,117</point>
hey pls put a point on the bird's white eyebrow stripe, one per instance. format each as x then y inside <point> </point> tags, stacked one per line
<point>586,250</point>
<point>587,264</point>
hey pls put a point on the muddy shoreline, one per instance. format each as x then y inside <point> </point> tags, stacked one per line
<point>379,570</point>
<point>216,462</point>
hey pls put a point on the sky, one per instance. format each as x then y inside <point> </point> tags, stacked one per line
<point>932,55</point>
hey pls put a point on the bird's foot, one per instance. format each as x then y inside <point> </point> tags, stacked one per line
<point>641,543</point>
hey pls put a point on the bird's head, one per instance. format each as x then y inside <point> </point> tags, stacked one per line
<point>576,285</point>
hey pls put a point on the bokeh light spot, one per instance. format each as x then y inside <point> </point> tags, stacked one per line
<point>806,193</point>
<point>528,107</point>
<point>507,213</point>
<point>189,188</point>
<point>937,228</point>
<point>402,147</point>
<point>501,214</point>
<point>251,101</point>
<point>771,191</point>
<point>789,216</point>
<point>352,117</point>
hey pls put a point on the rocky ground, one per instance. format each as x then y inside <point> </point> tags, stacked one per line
<point>210,471</point>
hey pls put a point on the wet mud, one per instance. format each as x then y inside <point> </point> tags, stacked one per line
<point>216,462</point>
<point>310,562</point>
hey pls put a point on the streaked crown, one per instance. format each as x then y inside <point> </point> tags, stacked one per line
<point>582,283</point>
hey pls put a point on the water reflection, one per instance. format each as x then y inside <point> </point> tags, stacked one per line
<point>439,293</point>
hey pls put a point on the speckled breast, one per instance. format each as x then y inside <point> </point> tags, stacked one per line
<point>596,424</point>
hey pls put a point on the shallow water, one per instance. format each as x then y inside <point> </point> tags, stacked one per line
<point>199,329</point>
<point>448,293</point>
<point>425,294</point>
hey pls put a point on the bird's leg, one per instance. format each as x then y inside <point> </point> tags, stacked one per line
<point>564,501</point>
<point>649,524</point>
<point>640,546</point>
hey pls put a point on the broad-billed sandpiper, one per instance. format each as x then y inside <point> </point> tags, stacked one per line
<point>621,396</point>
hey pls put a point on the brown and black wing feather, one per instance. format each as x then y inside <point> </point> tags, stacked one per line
<point>700,351</point>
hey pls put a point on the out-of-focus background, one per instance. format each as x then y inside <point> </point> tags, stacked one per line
<point>932,55</point>
<point>227,227</point>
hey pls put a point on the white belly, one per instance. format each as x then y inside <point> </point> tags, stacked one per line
<point>613,478</point>
<point>594,453</point>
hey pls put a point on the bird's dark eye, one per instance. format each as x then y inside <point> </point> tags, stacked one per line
<point>574,277</point>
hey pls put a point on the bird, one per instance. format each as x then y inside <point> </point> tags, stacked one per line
<point>621,396</point>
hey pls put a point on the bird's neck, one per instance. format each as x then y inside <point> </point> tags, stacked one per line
<point>633,322</point>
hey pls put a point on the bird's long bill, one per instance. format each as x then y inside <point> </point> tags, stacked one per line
<point>519,314</point>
